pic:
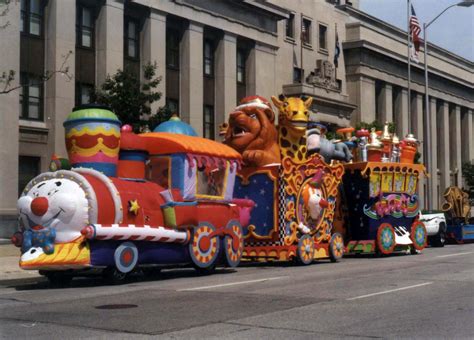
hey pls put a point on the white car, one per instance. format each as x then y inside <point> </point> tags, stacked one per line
<point>435,223</point>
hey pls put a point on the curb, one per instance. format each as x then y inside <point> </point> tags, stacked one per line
<point>5,241</point>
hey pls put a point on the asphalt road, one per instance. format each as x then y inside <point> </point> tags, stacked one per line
<point>430,295</point>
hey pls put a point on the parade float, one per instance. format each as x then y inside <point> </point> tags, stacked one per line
<point>457,208</point>
<point>131,201</point>
<point>293,188</point>
<point>379,209</point>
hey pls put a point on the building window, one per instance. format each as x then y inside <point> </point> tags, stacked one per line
<point>31,97</point>
<point>208,122</point>
<point>290,26</point>
<point>297,75</point>
<point>208,58</point>
<point>28,168</point>
<point>323,37</point>
<point>85,27</point>
<point>83,93</point>
<point>172,49</point>
<point>172,105</point>
<point>31,18</point>
<point>241,56</point>
<point>131,38</point>
<point>306,31</point>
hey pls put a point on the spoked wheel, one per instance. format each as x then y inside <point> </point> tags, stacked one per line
<point>305,249</point>
<point>204,250</point>
<point>336,247</point>
<point>233,245</point>
<point>385,239</point>
<point>418,237</point>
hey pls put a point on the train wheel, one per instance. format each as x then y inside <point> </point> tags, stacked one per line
<point>418,236</point>
<point>336,247</point>
<point>385,239</point>
<point>305,249</point>
<point>233,246</point>
<point>126,257</point>
<point>203,249</point>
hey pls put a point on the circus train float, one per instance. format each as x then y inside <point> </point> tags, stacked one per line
<point>131,201</point>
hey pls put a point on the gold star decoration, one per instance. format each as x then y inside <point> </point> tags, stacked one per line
<point>133,206</point>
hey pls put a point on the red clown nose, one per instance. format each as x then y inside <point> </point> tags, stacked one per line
<point>323,203</point>
<point>39,206</point>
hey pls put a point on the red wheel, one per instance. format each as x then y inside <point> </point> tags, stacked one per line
<point>336,247</point>
<point>418,235</point>
<point>305,249</point>
<point>233,245</point>
<point>385,239</point>
<point>204,249</point>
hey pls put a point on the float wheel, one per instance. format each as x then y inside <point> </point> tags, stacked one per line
<point>305,249</point>
<point>385,239</point>
<point>126,257</point>
<point>233,246</point>
<point>336,247</point>
<point>114,276</point>
<point>418,235</point>
<point>203,249</point>
<point>58,278</point>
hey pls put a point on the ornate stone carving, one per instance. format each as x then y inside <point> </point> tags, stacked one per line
<point>324,76</point>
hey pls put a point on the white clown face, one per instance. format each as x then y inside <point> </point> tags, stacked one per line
<point>56,203</point>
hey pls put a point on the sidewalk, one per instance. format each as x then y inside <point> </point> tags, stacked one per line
<point>9,268</point>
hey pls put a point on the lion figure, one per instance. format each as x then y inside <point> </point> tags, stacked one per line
<point>252,132</point>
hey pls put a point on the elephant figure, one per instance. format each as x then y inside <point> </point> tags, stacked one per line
<point>316,142</point>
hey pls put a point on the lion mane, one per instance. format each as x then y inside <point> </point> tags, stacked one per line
<point>251,131</point>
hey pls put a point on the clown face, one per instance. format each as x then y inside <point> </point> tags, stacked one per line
<point>57,204</point>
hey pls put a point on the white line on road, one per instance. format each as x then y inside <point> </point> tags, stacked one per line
<point>232,284</point>
<point>457,254</point>
<point>389,291</point>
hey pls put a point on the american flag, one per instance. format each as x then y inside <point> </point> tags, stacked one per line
<point>415,29</point>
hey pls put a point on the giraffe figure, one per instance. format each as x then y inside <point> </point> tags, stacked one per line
<point>292,122</point>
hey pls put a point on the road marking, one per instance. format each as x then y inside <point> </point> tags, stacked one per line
<point>232,284</point>
<point>389,291</point>
<point>457,254</point>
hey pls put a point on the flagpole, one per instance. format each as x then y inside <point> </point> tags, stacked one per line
<point>336,43</point>
<point>301,51</point>
<point>409,64</point>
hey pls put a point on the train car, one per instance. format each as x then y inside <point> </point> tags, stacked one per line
<point>131,201</point>
<point>382,208</point>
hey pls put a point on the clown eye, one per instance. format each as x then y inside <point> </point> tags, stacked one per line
<point>58,183</point>
<point>253,116</point>
<point>36,194</point>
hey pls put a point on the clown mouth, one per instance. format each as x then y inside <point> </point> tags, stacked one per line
<point>35,226</point>
<point>238,131</point>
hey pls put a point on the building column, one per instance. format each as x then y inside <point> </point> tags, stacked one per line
<point>261,70</point>
<point>226,81</point>
<point>191,84</point>
<point>59,90</point>
<point>417,121</point>
<point>387,105</point>
<point>443,146</point>
<point>433,167</point>
<point>401,114</point>
<point>467,138</point>
<point>153,42</point>
<point>109,40</point>
<point>9,124</point>
<point>366,99</point>
<point>455,145</point>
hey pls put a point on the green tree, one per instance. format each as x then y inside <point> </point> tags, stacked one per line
<point>468,174</point>
<point>130,98</point>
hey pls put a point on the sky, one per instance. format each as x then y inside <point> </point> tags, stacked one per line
<point>453,30</point>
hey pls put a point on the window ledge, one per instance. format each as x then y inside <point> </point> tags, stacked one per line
<point>308,46</point>
<point>38,125</point>
<point>290,40</point>
<point>323,51</point>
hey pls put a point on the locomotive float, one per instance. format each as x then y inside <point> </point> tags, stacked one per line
<point>130,201</point>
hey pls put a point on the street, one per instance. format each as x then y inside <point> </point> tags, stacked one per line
<point>430,295</point>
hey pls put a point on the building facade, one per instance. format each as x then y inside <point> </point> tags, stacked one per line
<point>210,54</point>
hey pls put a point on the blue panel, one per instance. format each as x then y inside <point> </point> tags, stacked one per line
<point>102,252</point>
<point>177,172</point>
<point>260,190</point>
<point>133,155</point>
<point>109,169</point>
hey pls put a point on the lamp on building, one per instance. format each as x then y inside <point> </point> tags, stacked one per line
<point>431,166</point>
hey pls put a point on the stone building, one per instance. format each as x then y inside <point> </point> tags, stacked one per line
<point>210,54</point>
